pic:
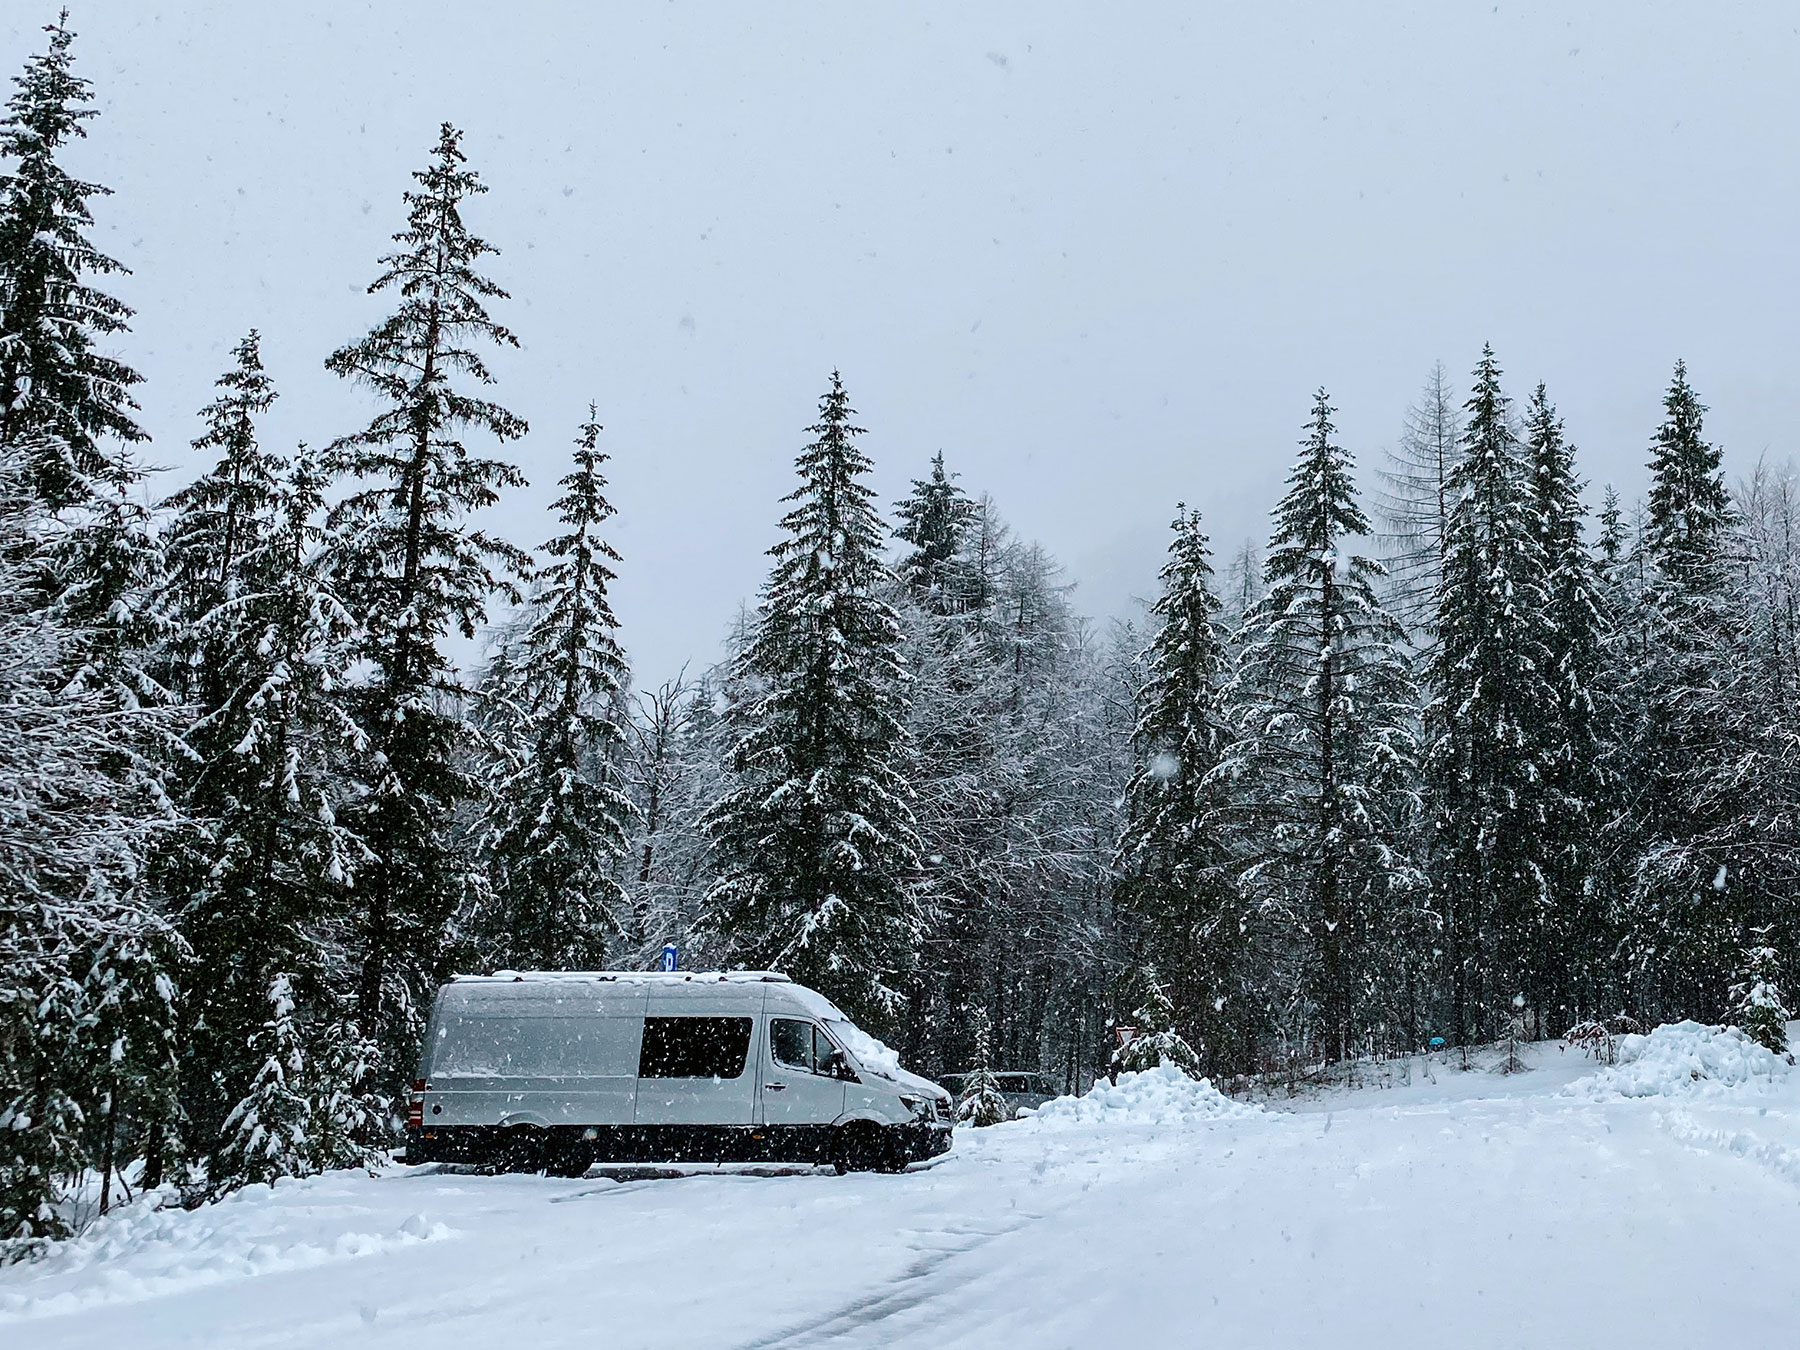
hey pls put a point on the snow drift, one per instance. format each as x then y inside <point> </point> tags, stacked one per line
<point>1683,1059</point>
<point>1160,1096</point>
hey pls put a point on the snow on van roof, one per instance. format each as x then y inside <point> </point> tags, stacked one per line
<point>626,977</point>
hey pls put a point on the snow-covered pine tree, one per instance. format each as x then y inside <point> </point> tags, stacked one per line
<point>216,520</point>
<point>83,959</point>
<point>557,812</point>
<point>1173,857</point>
<point>1574,733</point>
<point>1758,1007</point>
<point>260,883</point>
<point>1690,509</point>
<point>1157,1042</point>
<point>979,1103</point>
<point>934,518</point>
<point>413,570</point>
<point>1415,502</point>
<point>1688,647</point>
<point>1324,765</point>
<point>267,1129</point>
<point>61,396</point>
<point>85,994</point>
<point>1490,685</point>
<point>817,852</point>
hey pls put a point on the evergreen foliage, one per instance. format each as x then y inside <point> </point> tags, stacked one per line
<point>1175,865</point>
<point>1157,1042</point>
<point>268,1128</point>
<point>1758,1006</point>
<point>980,1103</point>
<point>274,762</point>
<point>934,519</point>
<point>818,855</point>
<point>557,813</point>
<point>1574,734</point>
<point>413,571</point>
<point>1689,506</point>
<point>1491,677</point>
<point>1325,760</point>
<point>61,398</point>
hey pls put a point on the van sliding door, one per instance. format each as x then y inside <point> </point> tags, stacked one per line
<point>696,1069</point>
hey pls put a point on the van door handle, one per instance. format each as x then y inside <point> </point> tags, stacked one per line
<point>774,1087</point>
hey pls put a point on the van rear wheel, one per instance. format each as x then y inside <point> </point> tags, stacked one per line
<point>863,1146</point>
<point>520,1148</point>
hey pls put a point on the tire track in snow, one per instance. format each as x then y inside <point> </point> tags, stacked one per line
<point>918,1284</point>
<point>1776,1158</point>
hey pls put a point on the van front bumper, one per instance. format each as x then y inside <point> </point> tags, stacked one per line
<point>919,1141</point>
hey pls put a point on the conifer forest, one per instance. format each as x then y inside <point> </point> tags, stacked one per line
<point>1465,747</point>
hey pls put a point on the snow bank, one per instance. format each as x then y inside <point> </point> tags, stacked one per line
<point>140,1252</point>
<point>1160,1096</point>
<point>1682,1059</point>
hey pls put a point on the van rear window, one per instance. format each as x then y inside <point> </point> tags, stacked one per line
<point>695,1047</point>
<point>533,1047</point>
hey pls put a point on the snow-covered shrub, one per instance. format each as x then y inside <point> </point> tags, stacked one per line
<point>267,1130</point>
<point>981,1103</point>
<point>1683,1059</point>
<point>1757,1005</point>
<point>1158,1043</point>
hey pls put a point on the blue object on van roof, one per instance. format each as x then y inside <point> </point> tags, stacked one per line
<point>1437,1042</point>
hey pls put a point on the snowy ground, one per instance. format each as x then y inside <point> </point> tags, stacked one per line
<point>1654,1204</point>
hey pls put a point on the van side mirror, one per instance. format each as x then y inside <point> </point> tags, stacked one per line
<point>834,1064</point>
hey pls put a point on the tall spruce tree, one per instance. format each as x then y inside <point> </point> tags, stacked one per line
<point>1574,733</point>
<point>85,994</point>
<point>414,570</point>
<point>1491,684</point>
<point>1325,760</point>
<point>61,398</point>
<point>261,881</point>
<point>817,851</point>
<point>1173,857</point>
<point>934,518</point>
<point>1684,931</point>
<point>557,808</point>
<point>1690,508</point>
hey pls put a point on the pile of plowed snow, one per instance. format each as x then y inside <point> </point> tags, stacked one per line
<point>1683,1059</point>
<point>1160,1096</point>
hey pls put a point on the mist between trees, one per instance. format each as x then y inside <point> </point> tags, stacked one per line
<point>1456,764</point>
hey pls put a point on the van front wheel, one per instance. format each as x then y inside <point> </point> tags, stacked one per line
<point>863,1146</point>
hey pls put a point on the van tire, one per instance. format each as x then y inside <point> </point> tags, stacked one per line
<point>520,1148</point>
<point>863,1146</point>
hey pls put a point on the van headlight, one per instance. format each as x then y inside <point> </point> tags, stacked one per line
<point>919,1106</point>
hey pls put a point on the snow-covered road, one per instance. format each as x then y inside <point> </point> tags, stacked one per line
<point>1649,1207</point>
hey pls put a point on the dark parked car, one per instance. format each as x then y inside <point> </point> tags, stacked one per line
<point>1023,1089</point>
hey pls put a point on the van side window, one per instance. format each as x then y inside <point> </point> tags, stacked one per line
<point>695,1047</point>
<point>791,1043</point>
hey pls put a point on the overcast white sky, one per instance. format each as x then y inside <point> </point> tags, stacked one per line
<point>1098,255</point>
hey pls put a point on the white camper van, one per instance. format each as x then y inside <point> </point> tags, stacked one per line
<point>556,1070</point>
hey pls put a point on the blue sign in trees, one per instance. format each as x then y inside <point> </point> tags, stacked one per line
<point>670,959</point>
